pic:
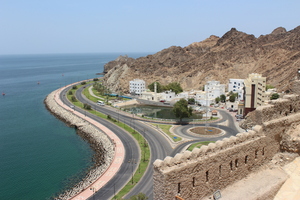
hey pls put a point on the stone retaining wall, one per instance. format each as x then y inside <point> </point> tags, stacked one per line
<point>196,174</point>
<point>100,143</point>
<point>193,175</point>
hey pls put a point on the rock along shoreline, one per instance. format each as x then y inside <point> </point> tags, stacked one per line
<point>98,140</point>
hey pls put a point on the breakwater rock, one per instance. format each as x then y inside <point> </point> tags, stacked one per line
<point>98,140</point>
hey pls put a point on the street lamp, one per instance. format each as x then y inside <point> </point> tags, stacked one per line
<point>94,191</point>
<point>132,161</point>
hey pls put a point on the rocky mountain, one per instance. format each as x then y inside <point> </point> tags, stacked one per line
<point>234,55</point>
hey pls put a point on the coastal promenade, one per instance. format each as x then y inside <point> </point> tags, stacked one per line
<point>116,162</point>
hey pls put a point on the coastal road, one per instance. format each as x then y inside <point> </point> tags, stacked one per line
<point>132,155</point>
<point>159,146</point>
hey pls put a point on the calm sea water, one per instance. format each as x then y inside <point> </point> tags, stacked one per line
<point>39,155</point>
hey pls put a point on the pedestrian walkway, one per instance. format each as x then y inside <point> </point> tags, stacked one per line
<point>92,93</point>
<point>116,163</point>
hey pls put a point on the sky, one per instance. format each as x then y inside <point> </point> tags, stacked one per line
<point>97,26</point>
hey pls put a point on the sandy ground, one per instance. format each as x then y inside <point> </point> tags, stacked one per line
<point>261,185</point>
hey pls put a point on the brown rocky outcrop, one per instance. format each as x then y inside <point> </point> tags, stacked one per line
<point>234,55</point>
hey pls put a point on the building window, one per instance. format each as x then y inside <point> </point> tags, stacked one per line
<point>178,188</point>
<point>246,159</point>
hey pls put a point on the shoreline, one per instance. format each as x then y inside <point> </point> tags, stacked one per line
<point>99,142</point>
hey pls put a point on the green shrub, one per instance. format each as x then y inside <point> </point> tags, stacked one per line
<point>70,92</point>
<point>73,98</point>
<point>111,119</point>
<point>95,79</point>
<point>87,106</point>
<point>83,83</point>
<point>274,96</point>
<point>74,87</point>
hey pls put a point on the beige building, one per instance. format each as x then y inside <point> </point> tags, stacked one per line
<point>255,87</point>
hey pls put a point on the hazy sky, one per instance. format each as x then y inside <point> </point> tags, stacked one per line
<point>96,26</point>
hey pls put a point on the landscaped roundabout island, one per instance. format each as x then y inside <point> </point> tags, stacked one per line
<point>205,131</point>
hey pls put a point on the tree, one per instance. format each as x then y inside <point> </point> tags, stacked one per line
<point>274,96</point>
<point>191,101</point>
<point>139,196</point>
<point>174,86</point>
<point>159,87</point>
<point>232,98</point>
<point>217,100</point>
<point>182,110</point>
<point>269,87</point>
<point>222,98</point>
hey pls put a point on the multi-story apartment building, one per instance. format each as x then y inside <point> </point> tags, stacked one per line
<point>137,86</point>
<point>214,89</point>
<point>237,86</point>
<point>255,87</point>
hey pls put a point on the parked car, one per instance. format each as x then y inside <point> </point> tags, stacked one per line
<point>239,116</point>
<point>162,100</point>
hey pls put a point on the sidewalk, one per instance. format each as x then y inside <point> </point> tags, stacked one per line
<point>116,163</point>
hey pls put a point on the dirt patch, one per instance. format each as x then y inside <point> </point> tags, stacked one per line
<point>206,130</point>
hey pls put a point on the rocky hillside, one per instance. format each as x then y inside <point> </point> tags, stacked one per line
<point>234,55</point>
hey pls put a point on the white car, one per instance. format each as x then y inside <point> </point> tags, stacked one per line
<point>101,103</point>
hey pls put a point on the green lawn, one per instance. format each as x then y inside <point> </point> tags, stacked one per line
<point>166,128</point>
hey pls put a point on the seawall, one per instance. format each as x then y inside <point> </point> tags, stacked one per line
<point>102,145</point>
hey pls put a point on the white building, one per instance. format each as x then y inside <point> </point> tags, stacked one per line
<point>137,86</point>
<point>183,95</point>
<point>168,95</point>
<point>237,86</point>
<point>214,89</point>
<point>151,96</point>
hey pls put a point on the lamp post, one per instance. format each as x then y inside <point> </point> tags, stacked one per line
<point>94,191</point>
<point>114,190</point>
<point>132,162</point>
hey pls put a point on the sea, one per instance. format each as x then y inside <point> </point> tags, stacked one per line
<point>39,155</point>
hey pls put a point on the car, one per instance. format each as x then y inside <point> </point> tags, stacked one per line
<point>162,101</point>
<point>239,116</point>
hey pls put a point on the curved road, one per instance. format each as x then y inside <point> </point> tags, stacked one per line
<point>159,146</point>
<point>131,156</point>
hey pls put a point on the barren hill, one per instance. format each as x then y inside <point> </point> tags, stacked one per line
<point>234,55</point>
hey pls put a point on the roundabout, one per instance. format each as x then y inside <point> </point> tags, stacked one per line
<point>206,131</point>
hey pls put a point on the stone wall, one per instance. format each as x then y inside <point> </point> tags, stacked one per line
<point>99,141</point>
<point>196,174</point>
<point>193,175</point>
